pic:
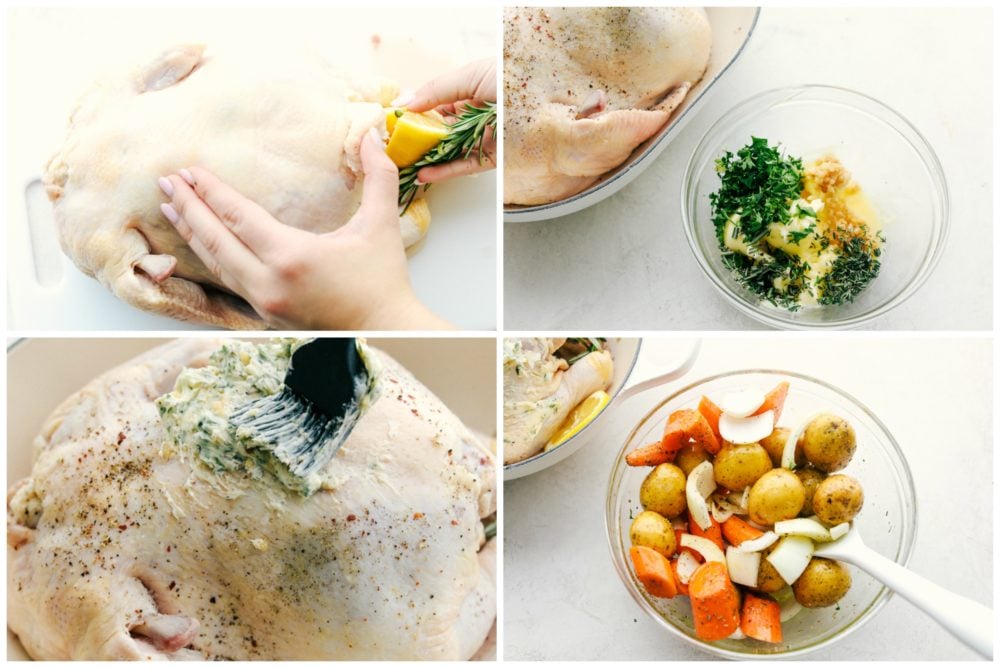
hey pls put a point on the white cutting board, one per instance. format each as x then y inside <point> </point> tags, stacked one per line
<point>56,53</point>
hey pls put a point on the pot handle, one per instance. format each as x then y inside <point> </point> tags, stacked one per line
<point>664,378</point>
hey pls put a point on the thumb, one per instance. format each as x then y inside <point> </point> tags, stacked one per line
<point>380,197</point>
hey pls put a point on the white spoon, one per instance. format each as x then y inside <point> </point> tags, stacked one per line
<point>970,622</point>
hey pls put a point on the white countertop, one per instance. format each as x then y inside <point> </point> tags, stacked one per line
<point>563,599</point>
<point>625,262</point>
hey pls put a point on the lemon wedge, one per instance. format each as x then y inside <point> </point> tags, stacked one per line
<point>412,136</point>
<point>579,418</point>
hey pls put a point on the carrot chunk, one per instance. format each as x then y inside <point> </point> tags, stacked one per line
<point>711,413</point>
<point>715,603</point>
<point>736,531</point>
<point>775,400</point>
<point>653,571</point>
<point>761,618</point>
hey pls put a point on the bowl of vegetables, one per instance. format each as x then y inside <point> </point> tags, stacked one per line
<point>720,494</point>
<point>814,207</point>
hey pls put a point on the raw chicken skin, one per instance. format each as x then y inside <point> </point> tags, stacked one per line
<point>283,130</point>
<point>116,551</point>
<point>540,389</point>
<point>584,86</point>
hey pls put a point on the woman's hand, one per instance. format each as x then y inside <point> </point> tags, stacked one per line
<point>473,83</point>
<point>352,278</point>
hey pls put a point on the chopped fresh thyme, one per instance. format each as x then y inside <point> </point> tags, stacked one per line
<point>856,267</point>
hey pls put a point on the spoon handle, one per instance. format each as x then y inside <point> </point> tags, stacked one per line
<point>970,622</point>
<point>663,378</point>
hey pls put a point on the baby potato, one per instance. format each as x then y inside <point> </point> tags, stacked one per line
<point>690,456</point>
<point>811,478</point>
<point>775,446</point>
<point>768,578</point>
<point>822,583</point>
<point>829,442</point>
<point>838,499</point>
<point>777,495</point>
<point>739,466</point>
<point>663,491</point>
<point>652,530</point>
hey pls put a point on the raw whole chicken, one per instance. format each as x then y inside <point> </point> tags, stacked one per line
<point>125,545</point>
<point>584,86</point>
<point>283,131</point>
<point>540,389</point>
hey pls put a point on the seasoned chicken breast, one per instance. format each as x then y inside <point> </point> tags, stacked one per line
<point>126,544</point>
<point>584,86</point>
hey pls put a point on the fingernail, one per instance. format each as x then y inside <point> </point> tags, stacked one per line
<point>170,213</point>
<point>166,186</point>
<point>404,99</point>
<point>186,175</point>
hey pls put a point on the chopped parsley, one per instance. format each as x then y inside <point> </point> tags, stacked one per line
<point>757,184</point>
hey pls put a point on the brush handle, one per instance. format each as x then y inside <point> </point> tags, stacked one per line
<point>325,371</point>
<point>970,622</point>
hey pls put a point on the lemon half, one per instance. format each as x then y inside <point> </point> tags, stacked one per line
<point>579,418</point>
<point>412,135</point>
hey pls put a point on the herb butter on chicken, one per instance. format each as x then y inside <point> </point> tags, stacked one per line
<point>584,86</point>
<point>139,535</point>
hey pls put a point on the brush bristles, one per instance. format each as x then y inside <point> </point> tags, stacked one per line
<point>302,438</point>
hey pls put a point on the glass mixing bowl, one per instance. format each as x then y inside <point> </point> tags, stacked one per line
<point>886,155</point>
<point>887,522</point>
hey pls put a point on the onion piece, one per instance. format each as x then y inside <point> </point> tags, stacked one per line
<point>789,609</point>
<point>687,564</point>
<point>759,543</point>
<point>840,530</point>
<point>791,557</point>
<point>803,526</point>
<point>700,485</point>
<point>745,499</point>
<point>788,454</point>
<point>722,510</point>
<point>743,403</point>
<point>741,431</point>
<point>737,635</point>
<point>704,547</point>
<point>743,566</point>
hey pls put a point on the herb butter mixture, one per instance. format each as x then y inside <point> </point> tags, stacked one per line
<point>794,236</point>
<point>196,414</point>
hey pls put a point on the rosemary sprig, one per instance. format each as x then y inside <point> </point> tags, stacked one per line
<point>591,345</point>
<point>465,135</point>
